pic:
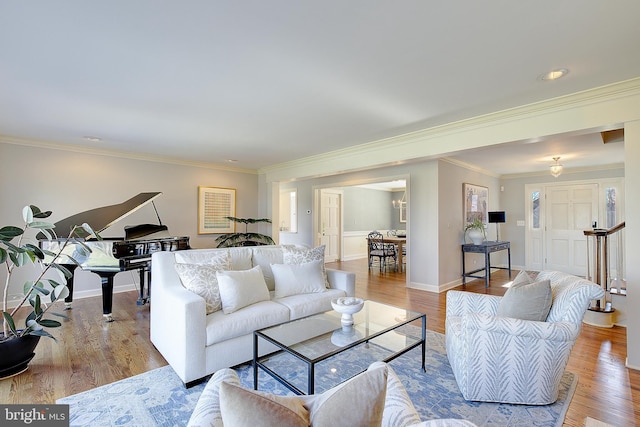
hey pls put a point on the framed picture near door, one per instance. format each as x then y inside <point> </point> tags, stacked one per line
<point>403,211</point>
<point>476,203</point>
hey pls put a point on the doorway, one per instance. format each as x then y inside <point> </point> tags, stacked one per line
<point>558,214</point>
<point>330,223</point>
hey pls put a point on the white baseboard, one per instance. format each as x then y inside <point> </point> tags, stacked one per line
<point>94,292</point>
<point>87,293</point>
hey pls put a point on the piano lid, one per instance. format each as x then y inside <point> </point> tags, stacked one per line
<point>102,218</point>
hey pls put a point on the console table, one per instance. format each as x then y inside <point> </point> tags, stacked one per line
<point>485,248</point>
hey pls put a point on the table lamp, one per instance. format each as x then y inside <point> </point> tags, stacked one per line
<point>497,217</point>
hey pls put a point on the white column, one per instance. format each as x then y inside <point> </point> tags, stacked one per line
<point>632,237</point>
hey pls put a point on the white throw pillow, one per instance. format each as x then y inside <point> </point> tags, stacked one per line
<point>294,279</point>
<point>239,289</point>
<point>296,255</point>
<point>202,280</point>
<point>527,301</point>
<point>357,402</point>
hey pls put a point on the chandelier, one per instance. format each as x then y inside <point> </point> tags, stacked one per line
<point>556,168</point>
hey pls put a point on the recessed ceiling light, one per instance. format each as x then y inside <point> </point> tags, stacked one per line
<point>232,161</point>
<point>92,138</point>
<point>554,75</point>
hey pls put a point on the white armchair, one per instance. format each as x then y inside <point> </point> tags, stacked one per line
<point>502,359</point>
<point>398,409</point>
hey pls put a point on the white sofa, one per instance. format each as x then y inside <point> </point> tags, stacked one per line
<point>197,344</point>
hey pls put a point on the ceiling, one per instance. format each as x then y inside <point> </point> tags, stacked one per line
<point>261,83</point>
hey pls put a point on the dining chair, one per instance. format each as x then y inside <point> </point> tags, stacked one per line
<point>381,250</point>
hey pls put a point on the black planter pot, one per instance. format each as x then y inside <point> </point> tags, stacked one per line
<point>16,353</point>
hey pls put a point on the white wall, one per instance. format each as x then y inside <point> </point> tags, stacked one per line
<point>592,110</point>
<point>67,183</point>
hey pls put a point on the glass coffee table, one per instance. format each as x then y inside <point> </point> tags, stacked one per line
<point>305,345</point>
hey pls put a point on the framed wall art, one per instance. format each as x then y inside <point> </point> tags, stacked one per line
<point>403,212</point>
<point>214,205</point>
<point>476,203</point>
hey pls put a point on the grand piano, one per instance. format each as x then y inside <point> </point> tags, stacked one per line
<point>113,255</point>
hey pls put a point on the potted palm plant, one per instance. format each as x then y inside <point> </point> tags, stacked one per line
<point>476,231</point>
<point>246,238</point>
<point>17,344</point>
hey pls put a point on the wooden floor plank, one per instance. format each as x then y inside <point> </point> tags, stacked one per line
<point>90,353</point>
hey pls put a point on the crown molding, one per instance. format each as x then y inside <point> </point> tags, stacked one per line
<point>119,154</point>
<point>434,142</point>
<point>469,166</point>
<point>565,171</point>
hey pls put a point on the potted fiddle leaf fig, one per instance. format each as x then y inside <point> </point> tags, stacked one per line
<point>246,238</point>
<point>476,231</point>
<point>49,285</point>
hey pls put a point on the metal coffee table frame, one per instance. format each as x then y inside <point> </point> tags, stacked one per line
<point>370,310</point>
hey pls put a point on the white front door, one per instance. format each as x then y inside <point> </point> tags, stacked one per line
<point>570,209</point>
<point>330,224</point>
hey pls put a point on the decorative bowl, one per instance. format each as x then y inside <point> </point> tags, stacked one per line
<point>345,336</point>
<point>347,306</point>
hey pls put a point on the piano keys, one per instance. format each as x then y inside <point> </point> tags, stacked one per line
<point>113,255</point>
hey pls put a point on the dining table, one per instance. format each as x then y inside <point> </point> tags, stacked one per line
<point>400,241</point>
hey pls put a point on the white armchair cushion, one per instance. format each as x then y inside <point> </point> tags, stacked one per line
<point>294,279</point>
<point>239,289</point>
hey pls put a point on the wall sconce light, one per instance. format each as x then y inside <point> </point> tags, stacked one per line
<point>397,204</point>
<point>556,168</point>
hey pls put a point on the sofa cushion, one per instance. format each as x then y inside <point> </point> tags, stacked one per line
<point>264,256</point>
<point>298,255</point>
<point>202,280</point>
<point>221,327</point>
<point>302,305</point>
<point>200,256</point>
<point>239,289</point>
<point>359,401</point>
<point>294,279</point>
<point>526,301</point>
<point>241,258</point>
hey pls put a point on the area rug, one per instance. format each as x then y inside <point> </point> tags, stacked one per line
<point>158,397</point>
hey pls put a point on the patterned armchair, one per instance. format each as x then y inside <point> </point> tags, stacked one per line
<point>501,359</point>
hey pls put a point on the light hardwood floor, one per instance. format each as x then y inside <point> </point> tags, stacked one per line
<point>90,353</point>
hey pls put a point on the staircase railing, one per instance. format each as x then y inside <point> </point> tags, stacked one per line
<point>599,257</point>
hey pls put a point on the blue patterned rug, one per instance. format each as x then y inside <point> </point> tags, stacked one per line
<point>158,397</point>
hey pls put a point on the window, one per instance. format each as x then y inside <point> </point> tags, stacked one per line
<point>610,197</point>
<point>535,209</point>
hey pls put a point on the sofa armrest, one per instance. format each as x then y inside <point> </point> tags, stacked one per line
<point>343,280</point>
<point>177,320</point>
<point>207,410</point>
<point>461,302</point>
